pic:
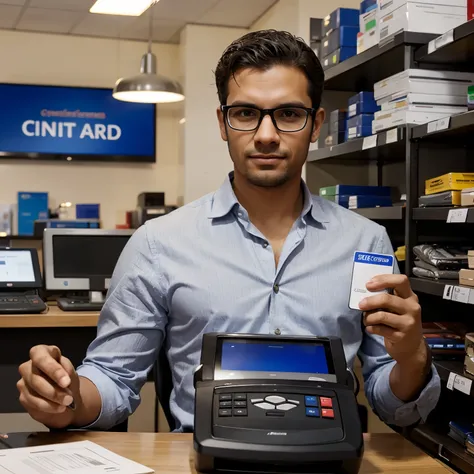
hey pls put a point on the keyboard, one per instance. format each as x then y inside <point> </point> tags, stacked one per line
<point>21,304</point>
<point>78,304</point>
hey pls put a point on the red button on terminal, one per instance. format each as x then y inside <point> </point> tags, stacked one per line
<point>325,402</point>
<point>327,413</point>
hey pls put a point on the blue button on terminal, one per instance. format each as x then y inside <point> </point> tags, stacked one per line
<point>312,411</point>
<point>311,401</point>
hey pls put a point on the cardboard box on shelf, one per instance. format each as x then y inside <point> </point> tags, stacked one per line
<point>352,189</point>
<point>467,197</point>
<point>343,37</point>
<point>386,120</point>
<point>338,56</point>
<point>362,103</point>
<point>389,6</point>
<point>340,17</point>
<point>369,32</point>
<point>388,104</point>
<point>449,182</point>
<point>470,256</point>
<point>420,18</point>
<point>466,277</point>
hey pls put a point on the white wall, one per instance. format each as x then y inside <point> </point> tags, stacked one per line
<point>206,158</point>
<point>79,61</point>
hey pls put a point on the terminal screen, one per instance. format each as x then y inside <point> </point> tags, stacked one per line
<point>16,266</point>
<point>286,360</point>
<point>83,256</point>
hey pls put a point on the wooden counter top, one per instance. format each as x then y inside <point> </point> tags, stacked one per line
<point>55,317</point>
<point>169,453</point>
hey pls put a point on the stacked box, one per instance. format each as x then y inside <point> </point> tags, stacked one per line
<point>420,16</point>
<point>361,109</point>
<point>337,127</point>
<point>368,26</point>
<point>340,30</point>
<point>449,182</point>
<point>31,207</point>
<point>358,196</point>
<point>418,96</point>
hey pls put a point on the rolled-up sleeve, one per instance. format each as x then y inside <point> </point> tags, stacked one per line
<point>130,331</point>
<point>376,368</point>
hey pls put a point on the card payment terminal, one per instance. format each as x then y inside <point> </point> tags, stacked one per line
<point>275,404</point>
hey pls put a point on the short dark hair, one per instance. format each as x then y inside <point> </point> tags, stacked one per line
<point>265,49</point>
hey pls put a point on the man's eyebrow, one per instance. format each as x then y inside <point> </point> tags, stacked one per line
<point>242,103</point>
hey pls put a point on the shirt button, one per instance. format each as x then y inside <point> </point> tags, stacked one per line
<point>265,244</point>
<point>276,288</point>
<point>277,331</point>
<point>240,214</point>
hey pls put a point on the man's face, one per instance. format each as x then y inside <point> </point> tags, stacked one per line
<point>268,157</point>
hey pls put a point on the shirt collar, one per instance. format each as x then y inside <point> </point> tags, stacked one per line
<point>224,200</point>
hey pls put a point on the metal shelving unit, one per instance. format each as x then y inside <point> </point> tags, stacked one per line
<point>453,128</point>
<point>382,213</point>
<point>439,214</point>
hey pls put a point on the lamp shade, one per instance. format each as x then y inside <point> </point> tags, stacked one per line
<point>148,86</point>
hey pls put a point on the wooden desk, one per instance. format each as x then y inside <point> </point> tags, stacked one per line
<point>172,453</point>
<point>54,318</point>
<point>72,332</point>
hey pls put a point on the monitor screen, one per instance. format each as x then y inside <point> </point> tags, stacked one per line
<point>85,256</point>
<point>16,266</point>
<point>265,359</point>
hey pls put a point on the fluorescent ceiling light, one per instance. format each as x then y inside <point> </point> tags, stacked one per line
<point>121,7</point>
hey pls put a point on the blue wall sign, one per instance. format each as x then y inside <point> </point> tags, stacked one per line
<point>83,123</point>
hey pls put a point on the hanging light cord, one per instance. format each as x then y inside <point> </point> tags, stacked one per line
<point>150,32</point>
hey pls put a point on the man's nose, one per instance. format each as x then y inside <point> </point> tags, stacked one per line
<point>267,132</point>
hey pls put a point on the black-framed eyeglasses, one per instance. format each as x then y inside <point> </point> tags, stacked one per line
<point>245,118</point>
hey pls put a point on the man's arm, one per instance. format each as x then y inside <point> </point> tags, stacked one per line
<point>402,385</point>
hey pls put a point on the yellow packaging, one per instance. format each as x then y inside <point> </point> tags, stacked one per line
<point>449,182</point>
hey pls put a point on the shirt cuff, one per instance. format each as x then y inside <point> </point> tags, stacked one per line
<point>395,411</point>
<point>112,409</point>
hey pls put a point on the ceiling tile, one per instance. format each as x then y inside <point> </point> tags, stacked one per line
<point>183,10</point>
<point>163,30</point>
<point>74,5</point>
<point>18,3</point>
<point>108,26</point>
<point>52,21</point>
<point>8,15</point>
<point>241,13</point>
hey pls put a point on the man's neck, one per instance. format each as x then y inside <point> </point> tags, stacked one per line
<point>270,209</point>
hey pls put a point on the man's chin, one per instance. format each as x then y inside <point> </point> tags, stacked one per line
<point>267,179</point>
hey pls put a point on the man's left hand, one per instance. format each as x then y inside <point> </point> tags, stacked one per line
<point>397,318</point>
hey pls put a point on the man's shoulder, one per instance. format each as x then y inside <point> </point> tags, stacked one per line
<point>338,216</point>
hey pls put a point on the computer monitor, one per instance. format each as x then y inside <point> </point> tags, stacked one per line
<point>81,259</point>
<point>19,269</point>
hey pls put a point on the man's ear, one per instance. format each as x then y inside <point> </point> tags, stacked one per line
<point>222,126</point>
<point>318,122</point>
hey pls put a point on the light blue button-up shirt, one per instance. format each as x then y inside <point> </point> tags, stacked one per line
<point>206,268</point>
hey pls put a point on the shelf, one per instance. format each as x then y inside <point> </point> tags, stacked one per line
<point>457,294</point>
<point>382,213</point>
<point>360,72</point>
<point>440,214</point>
<point>446,367</point>
<point>460,126</point>
<point>458,53</point>
<point>442,447</point>
<point>394,150</point>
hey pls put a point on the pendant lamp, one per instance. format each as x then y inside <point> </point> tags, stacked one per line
<point>148,86</point>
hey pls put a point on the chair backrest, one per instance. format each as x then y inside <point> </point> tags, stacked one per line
<point>164,385</point>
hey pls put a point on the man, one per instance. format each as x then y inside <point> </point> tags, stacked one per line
<point>260,255</point>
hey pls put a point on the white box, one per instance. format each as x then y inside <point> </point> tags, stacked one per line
<point>5,219</point>
<point>387,120</point>
<point>420,18</point>
<point>433,108</point>
<point>388,6</point>
<point>423,81</point>
<point>369,31</point>
<point>392,103</point>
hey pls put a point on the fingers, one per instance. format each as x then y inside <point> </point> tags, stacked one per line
<point>31,401</point>
<point>399,283</point>
<point>390,320</point>
<point>392,303</point>
<point>392,335</point>
<point>46,359</point>
<point>46,388</point>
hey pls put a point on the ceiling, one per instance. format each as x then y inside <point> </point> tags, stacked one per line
<point>169,17</point>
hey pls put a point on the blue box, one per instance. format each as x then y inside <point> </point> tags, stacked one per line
<point>88,211</point>
<point>363,120</point>
<point>340,17</point>
<point>369,201</point>
<point>338,56</point>
<point>362,103</point>
<point>358,132</point>
<point>367,5</point>
<point>31,206</point>
<point>354,190</point>
<point>72,224</point>
<point>345,36</point>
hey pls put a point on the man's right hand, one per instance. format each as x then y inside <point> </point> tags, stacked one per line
<point>48,385</point>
